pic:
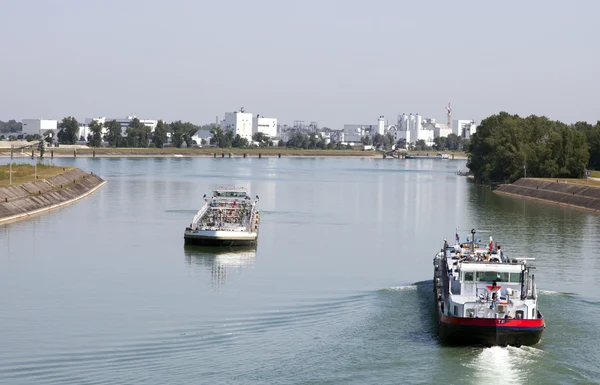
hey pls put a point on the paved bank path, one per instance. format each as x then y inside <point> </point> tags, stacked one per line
<point>27,199</point>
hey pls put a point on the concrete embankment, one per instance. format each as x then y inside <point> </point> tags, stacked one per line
<point>568,194</point>
<point>24,200</point>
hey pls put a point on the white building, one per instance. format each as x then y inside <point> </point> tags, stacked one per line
<point>267,126</point>
<point>410,128</point>
<point>124,122</point>
<point>38,126</point>
<point>353,133</point>
<point>200,136</point>
<point>380,125</point>
<point>441,130</point>
<point>464,128</point>
<point>240,123</point>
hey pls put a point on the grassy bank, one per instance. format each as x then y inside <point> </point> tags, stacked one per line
<point>22,173</point>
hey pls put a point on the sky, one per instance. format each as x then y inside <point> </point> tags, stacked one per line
<point>332,62</point>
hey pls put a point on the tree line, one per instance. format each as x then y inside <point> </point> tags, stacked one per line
<point>11,126</point>
<point>137,134</point>
<point>506,146</point>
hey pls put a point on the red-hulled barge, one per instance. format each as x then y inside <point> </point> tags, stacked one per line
<point>484,298</point>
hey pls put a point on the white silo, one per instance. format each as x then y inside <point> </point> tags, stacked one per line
<point>403,122</point>
<point>411,122</point>
<point>380,125</point>
<point>418,125</point>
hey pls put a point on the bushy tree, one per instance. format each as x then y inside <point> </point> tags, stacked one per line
<point>69,129</point>
<point>505,144</point>
<point>160,137</point>
<point>114,135</point>
<point>95,136</point>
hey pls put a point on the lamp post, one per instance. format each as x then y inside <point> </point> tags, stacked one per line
<point>525,168</point>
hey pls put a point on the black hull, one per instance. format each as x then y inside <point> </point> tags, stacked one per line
<point>219,242</point>
<point>467,335</point>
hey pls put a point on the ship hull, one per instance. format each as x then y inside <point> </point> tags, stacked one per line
<point>490,331</point>
<point>220,238</point>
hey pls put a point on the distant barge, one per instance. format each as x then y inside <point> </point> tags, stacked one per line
<point>229,217</point>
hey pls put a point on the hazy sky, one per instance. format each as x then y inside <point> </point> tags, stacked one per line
<point>333,62</point>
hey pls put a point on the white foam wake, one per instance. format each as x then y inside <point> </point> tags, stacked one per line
<point>508,365</point>
<point>401,288</point>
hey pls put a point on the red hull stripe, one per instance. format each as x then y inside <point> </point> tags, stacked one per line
<point>494,322</point>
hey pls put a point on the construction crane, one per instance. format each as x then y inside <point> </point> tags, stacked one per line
<point>449,115</point>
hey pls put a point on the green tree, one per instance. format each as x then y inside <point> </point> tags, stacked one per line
<point>95,136</point>
<point>262,139</point>
<point>505,144</point>
<point>160,137</point>
<point>69,129</point>
<point>388,141</point>
<point>239,142</point>
<point>378,140</point>
<point>41,148</point>
<point>592,134</point>
<point>10,126</point>
<point>138,134</point>
<point>366,140</point>
<point>182,133</point>
<point>114,135</point>
<point>440,143</point>
<point>420,145</point>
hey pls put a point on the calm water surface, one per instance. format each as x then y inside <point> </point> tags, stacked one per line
<point>338,290</point>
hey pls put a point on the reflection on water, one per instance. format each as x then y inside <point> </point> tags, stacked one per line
<point>220,261</point>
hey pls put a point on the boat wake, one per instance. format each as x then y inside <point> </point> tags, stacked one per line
<point>552,292</point>
<point>400,288</point>
<point>511,364</point>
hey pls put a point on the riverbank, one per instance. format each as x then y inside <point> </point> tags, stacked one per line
<point>577,193</point>
<point>207,152</point>
<point>20,201</point>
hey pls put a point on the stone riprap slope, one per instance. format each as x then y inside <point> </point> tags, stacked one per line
<point>17,202</point>
<point>587,197</point>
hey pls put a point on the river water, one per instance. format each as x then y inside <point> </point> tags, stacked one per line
<point>338,290</point>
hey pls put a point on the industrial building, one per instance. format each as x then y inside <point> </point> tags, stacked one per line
<point>267,126</point>
<point>38,126</point>
<point>245,124</point>
<point>410,129</point>
<point>464,128</point>
<point>84,130</point>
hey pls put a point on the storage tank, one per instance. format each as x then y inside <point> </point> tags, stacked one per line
<point>380,125</point>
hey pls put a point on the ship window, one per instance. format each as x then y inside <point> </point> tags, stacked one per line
<point>515,277</point>
<point>455,310</point>
<point>489,276</point>
<point>519,314</point>
<point>230,194</point>
<point>468,276</point>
